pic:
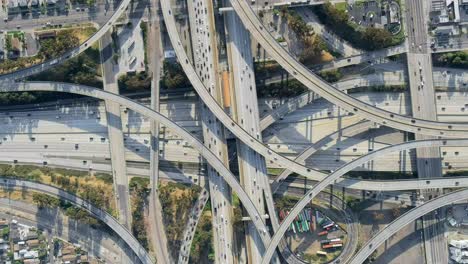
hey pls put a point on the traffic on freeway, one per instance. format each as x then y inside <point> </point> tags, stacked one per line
<point>237,131</point>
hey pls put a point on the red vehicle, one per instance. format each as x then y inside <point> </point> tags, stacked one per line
<point>323,233</point>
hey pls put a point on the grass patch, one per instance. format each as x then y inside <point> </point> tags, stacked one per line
<point>274,171</point>
<point>381,175</point>
<point>202,250</point>
<point>177,200</point>
<point>139,192</point>
<point>90,188</point>
<point>379,88</point>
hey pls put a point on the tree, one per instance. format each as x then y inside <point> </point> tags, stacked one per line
<point>44,200</point>
<point>376,38</point>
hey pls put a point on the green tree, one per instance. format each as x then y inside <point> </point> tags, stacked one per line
<point>44,200</point>
<point>376,38</point>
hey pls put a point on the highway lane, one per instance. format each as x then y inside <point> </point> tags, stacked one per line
<point>367,57</point>
<point>244,105</point>
<point>106,218</point>
<point>205,58</point>
<point>149,113</point>
<point>114,125</point>
<point>353,129</point>
<point>423,104</point>
<point>157,232</point>
<point>441,79</point>
<point>175,149</point>
<point>190,228</point>
<point>331,178</point>
<point>313,82</point>
<point>217,110</point>
<point>406,219</point>
<point>137,144</point>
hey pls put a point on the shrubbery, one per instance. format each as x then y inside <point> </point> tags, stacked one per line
<point>177,200</point>
<point>174,76</point>
<point>140,191</point>
<point>338,20</point>
<point>457,59</point>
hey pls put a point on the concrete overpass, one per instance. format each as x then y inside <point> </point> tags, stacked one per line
<point>352,105</point>
<point>103,216</point>
<point>211,158</point>
<point>404,220</point>
<point>331,178</point>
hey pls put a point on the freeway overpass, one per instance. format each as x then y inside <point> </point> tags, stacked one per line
<point>331,178</point>
<point>404,220</point>
<point>106,218</point>
<point>313,82</point>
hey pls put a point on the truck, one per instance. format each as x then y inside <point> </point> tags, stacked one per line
<point>323,233</point>
<point>332,246</point>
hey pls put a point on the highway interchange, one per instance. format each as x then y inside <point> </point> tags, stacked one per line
<point>247,127</point>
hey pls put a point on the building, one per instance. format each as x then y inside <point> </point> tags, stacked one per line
<point>13,4</point>
<point>32,243</point>
<point>69,258</point>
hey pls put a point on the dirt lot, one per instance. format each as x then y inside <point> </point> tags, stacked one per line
<point>403,247</point>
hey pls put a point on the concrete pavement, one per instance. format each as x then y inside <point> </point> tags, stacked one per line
<point>340,172</point>
<point>313,82</point>
<point>117,149</point>
<point>405,219</point>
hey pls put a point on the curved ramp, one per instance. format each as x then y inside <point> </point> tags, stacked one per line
<point>331,178</point>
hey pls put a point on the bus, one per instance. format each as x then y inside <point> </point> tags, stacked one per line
<point>321,253</point>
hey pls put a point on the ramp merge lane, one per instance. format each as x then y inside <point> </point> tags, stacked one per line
<point>211,158</point>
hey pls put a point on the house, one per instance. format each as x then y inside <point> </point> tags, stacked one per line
<point>3,223</point>
<point>32,243</point>
<point>68,250</point>
<point>83,259</point>
<point>32,235</point>
<point>31,254</point>
<point>71,258</point>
